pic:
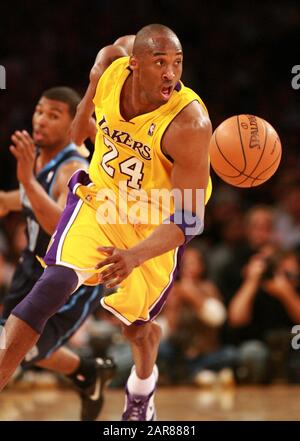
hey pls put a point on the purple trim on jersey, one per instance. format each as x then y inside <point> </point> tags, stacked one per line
<point>157,308</point>
<point>50,257</point>
<point>79,177</point>
<point>178,87</point>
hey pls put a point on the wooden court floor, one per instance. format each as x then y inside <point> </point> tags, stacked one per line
<point>278,402</point>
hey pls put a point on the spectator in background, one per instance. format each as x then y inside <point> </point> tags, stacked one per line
<point>232,235</point>
<point>287,220</point>
<point>262,313</point>
<point>259,232</point>
<point>191,323</point>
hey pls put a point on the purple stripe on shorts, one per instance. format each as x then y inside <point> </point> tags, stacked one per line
<point>157,308</point>
<point>79,177</point>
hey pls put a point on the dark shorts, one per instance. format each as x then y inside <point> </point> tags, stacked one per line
<point>62,325</point>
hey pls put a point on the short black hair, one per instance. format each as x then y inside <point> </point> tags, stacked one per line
<point>141,42</point>
<point>65,95</point>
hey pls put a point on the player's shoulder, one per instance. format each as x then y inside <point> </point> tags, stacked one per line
<point>68,168</point>
<point>73,164</point>
<point>193,117</point>
<point>65,172</point>
<point>191,128</point>
<point>194,110</point>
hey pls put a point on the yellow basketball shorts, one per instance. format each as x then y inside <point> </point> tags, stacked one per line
<point>141,296</point>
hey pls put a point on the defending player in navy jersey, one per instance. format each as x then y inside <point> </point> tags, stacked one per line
<point>45,162</point>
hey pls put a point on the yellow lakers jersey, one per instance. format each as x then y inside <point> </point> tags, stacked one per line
<point>128,154</point>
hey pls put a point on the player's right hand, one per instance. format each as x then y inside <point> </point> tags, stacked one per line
<point>23,149</point>
<point>120,264</point>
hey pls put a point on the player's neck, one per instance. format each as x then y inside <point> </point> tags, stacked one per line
<point>133,103</point>
<point>47,154</point>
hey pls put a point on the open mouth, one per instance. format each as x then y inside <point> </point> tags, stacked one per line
<point>166,92</point>
<point>38,135</point>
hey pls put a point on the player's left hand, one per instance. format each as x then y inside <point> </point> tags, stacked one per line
<point>121,263</point>
<point>24,152</point>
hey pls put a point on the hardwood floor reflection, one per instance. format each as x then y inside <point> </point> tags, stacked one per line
<point>279,402</point>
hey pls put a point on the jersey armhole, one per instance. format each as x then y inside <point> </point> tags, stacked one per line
<point>168,157</point>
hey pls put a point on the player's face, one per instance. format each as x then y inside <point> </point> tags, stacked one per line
<point>51,123</point>
<point>159,70</point>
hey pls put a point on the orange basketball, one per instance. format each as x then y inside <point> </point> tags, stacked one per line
<point>245,150</point>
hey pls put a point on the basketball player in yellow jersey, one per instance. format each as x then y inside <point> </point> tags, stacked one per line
<point>153,133</point>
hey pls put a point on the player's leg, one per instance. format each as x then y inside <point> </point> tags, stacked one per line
<point>63,361</point>
<point>28,319</point>
<point>20,286</point>
<point>88,375</point>
<point>144,341</point>
<point>141,384</point>
<point>19,338</point>
<point>136,303</point>
<point>77,230</point>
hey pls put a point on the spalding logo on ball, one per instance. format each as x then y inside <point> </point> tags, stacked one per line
<point>245,150</point>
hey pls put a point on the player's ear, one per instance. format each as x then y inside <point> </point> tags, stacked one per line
<point>133,62</point>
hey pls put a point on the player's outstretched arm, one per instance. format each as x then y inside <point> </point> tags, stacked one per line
<point>186,142</point>
<point>48,209</point>
<point>81,126</point>
<point>9,201</point>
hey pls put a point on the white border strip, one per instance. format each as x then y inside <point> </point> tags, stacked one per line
<point>67,227</point>
<point>114,312</point>
<point>70,222</point>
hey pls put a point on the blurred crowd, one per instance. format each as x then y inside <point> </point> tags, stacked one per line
<point>230,314</point>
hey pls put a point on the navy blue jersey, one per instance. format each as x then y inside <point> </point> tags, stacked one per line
<point>38,239</point>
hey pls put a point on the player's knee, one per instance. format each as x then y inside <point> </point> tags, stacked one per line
<point>135,333</point>
<point>138,334</point>
<point>49,293</point>
<point>156,332</point>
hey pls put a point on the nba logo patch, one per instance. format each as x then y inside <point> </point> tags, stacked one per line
<point>151,129</point>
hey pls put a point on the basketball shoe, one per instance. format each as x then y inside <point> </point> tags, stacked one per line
<point>140,407</point>
<point>92,397</point>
